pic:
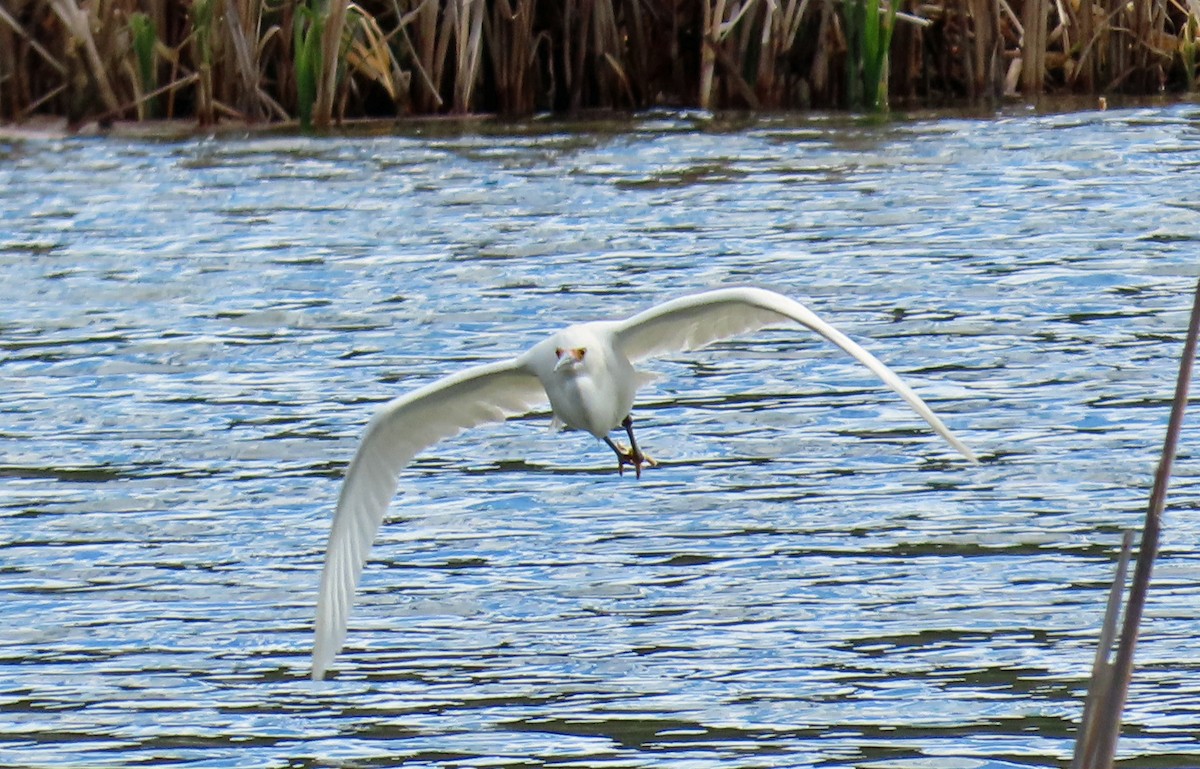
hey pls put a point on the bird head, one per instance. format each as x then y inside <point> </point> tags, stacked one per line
<point>569,357</point>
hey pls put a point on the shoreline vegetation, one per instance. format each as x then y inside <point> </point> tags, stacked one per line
<point>322,62</point>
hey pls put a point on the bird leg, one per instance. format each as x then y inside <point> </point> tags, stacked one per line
<point>633,455</point>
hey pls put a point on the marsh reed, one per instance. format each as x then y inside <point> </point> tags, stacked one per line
<point>1112,668</point>
<point>320,61</point>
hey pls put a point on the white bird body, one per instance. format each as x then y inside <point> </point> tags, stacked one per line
<point>586,372</point>
<point>594,397</point>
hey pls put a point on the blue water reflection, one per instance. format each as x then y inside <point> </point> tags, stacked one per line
<point>193,334</point>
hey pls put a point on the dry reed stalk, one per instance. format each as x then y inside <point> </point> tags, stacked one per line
<point>986,49</point>
<point>639,47</point>
<point>733,76</point>
<point>1096,744</point>
<point>161,13</point>
<point>467,22</point>
<point>443,35</point>
<point>34,106</point>
<point>715,29</point>
<point>714,14</point>
<point>369,55</point>
<point>245,60</point>
<point>430,52</point>
<point>1101,679</point>
<point>143,98</point>
<point>1116,35</point>
<point>1087,71</point>
<point>830,44</point>
<point>201,13</point>
<point>170,108</point>
<point>32,42</point>
<point>575,48</point>
<point>1094,59</point>
<point>1033,48</point>
<point>605,57</point>
<point>425,17</point>
<point>510,39</point>
<point>908,62</point>
<point>275,51</point>
<point>271,40</point>
<point>1147,24</point>
<point>331,44</point>
<point>780,28</point>
<point>10,65</point>
<point>740,56</point>
<point>1012,34</point>
<point>78,24</point>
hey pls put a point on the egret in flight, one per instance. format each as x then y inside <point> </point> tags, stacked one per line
<point>586,373</point>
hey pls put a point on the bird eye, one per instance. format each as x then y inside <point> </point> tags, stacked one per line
<point>557,352</point>
<point>580,352</point>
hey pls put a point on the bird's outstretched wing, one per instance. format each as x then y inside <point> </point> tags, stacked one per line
<point>694,321</point>
<point>399,430</point>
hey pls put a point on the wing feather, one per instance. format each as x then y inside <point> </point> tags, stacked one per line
<point>398,431</point>
<point>694,321</point>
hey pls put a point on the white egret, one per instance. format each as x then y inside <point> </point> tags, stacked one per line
<point>586,372</point>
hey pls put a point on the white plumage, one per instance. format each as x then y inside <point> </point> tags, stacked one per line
<point>586,372</point>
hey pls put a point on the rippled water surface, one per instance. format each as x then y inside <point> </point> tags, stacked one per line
<point>193,334</point>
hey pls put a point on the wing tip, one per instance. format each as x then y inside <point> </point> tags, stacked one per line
<point>320,663</point>
<point>966,451</point>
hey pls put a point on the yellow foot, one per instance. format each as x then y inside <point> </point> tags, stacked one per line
<point>637,461</point>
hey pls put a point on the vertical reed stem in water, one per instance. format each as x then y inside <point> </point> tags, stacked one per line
<point>1097,742</point>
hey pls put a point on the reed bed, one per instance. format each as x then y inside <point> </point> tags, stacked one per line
<point>320,61</point>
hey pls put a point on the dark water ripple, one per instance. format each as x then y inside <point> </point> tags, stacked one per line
<point>192,334</point>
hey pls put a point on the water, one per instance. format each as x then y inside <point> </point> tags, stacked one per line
<point>194,332</point>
